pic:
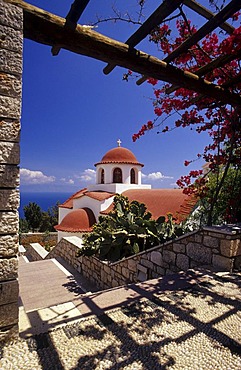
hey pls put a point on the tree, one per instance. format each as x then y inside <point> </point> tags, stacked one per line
<point>36,219</point>
<point>127,230</point>
<point>188,109</point>
<point>228,207</point>
<point>33,215</point>
<point>49,218</point>
<point>23,226</point>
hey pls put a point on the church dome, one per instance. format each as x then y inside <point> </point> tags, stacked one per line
<point>78,220</point>
<point>119,155</point>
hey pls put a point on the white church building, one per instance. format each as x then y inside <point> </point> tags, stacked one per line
<point>118,172</point>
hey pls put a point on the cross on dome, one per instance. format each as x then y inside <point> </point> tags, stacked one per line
<point>119,142</point>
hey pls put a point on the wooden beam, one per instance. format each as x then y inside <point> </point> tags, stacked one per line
<point>72,18</point>
<point>162,12</point>
<point>46,28</point>
<point>198,8</point>
<point>207,28</point>
<point>219,62</point>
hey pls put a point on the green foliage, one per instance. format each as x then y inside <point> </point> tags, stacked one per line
<point>38,220</point>
<point>227,208</point>
<point>23,226</point>
<point>127,230</point>
<point>33,216</point>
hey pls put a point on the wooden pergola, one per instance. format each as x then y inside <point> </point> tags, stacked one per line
<point>46,28</point>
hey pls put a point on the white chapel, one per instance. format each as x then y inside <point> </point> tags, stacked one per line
<point>118,172</point>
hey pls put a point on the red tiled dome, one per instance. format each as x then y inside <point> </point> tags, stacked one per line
<point>78,220</point>
<point>119,155</point>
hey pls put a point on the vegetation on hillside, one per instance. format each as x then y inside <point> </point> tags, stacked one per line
<point>37,220</point>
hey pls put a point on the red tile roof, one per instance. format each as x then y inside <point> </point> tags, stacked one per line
<point>98,195</point>
<point>69,202</point>
<point>160,202</point>
<point>78,220</point>
<point>119,155</point>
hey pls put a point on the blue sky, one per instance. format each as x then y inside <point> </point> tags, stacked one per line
<point>72,114</point>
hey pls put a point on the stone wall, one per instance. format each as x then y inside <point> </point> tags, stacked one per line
<point>35,252</point>
<point>214,248</point>
<point>11,37</point>
<point>49,239</point>
<point>102,274</point>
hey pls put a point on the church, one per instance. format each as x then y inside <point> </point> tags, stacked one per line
<point>118,172</point>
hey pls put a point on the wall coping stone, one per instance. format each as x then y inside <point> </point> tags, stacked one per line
<point>39,250</point>
<point>232,229</point>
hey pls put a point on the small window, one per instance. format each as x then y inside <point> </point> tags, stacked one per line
<point>102,176</point>
<point>117,175</point>
<point>133,176</point>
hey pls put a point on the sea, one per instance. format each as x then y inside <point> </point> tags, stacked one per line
<point>44,200</point>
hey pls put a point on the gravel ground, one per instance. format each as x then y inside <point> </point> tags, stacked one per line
<point>196,329</point>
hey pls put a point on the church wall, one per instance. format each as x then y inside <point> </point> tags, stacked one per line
<point>63,212</point>
<point>117,188</point>
<point>11,23</point>
<point>126,168</point>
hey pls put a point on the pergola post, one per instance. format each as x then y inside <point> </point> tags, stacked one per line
<point>11,31</point>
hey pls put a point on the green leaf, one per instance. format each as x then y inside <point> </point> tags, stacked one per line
<point>161,220</point>
<point>135,248</point>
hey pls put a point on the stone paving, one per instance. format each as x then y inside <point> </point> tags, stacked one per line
<point>196,328</point>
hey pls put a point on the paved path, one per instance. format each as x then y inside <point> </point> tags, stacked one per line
<point>185,321</point>
<point>46,291</point>
<point>45,283</point>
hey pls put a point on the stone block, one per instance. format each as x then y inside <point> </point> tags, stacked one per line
<point>160,271</point>
<point>10,85</point>
<point>169,257</point>
<point>171,272</point>
<point>141,276</point>
<point>9,292</point>
<point>9,176</point>
<point>142,268</point>
<point>156,258</point>
<point>182,262</point>
<point>9,314</point>
<point>11,39</point>
<point>9,130</point>
<point>154,275</point>
<point>147,263</point>
<point>132,265</point>
<point>11,16</point>
<point>237,263</point>
<point>230,248</point>
<point>199,253</point>
<point>8,268</point>
<point>9,153</point>
<point>198,238</point>
<point>210,241</point>
<point>9,222</point>
<point>10,107</point>
<point>8,246</point>
<point>106,269</point>
<point>125,272</point>
<point>222,263</point>
<point>10,62</point>
<point>9,200</point>
<point>179,248</point>
<point>9,333</point>
<point>115,284</point>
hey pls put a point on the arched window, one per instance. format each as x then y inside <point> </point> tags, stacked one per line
<point>117,175</point>
<point>102,176</point>
<point>133,176</point>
